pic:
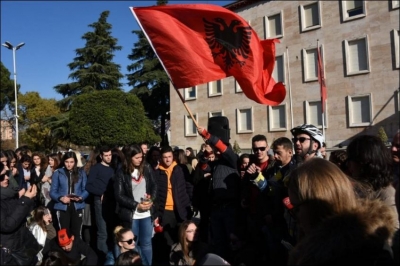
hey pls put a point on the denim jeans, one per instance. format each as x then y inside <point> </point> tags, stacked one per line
<point>101,227</point>
<point>143,229</point>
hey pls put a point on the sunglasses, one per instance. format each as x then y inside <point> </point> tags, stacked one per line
<point>259,149</point>
<point>130,241</point>
<point>301,139</point>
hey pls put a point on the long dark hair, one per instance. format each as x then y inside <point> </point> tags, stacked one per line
<point>374,159</point>
<point>56,160</point>
<point>43,161</point>
<point>74,173</point>
<point>129,152</point>
<point>117,159</point>
<point>37,216</point>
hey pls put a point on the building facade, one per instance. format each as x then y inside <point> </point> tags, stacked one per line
<point>359,43</point>
<point>6,130</point>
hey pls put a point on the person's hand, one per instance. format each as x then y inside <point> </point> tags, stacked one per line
<point>145,204</point>
<point>76,199</point>
<point>252,169</point>
<point>31,192</point>
<point>45,179</point>
<point>27,177</point>
<point>21,192</point>
<point>14,171</point>
<point>200,129</point>
<point>65,200</point>
<point>101,199</point>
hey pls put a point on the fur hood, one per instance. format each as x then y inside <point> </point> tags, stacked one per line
<point>361,236</point>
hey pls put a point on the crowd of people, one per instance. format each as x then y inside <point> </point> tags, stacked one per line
<point>283,204</point>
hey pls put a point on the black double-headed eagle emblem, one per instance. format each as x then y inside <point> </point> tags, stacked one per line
<point>231,42</point>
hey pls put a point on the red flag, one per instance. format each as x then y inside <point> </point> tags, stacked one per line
<point>321,79</point>
<point>199,43</point>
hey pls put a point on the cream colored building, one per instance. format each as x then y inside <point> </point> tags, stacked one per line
<point>6,130</point>
<point>359,42</point>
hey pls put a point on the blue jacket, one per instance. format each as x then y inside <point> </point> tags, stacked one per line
<point>59,188</point>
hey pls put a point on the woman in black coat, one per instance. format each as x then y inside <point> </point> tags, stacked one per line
<point>135,192</point>
<point>15,207</point>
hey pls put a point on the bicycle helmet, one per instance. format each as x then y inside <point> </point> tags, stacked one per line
<point>310,130</point>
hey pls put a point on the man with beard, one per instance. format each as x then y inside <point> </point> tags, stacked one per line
<point>307,140</point>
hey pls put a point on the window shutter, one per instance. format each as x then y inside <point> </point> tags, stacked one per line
<point>315,113</point>
<point>278,116</point>
<point>245,119</point>
<point>311,16</point>
<point>274,25</point>
<point>357,56</point>
<point>312,64</point>
<point>361,113</point>
<point>278,73</point>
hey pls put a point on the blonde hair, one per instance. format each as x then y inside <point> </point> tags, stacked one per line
<point>321,180</point>
<point>79,159</point>
<point>119,231</point>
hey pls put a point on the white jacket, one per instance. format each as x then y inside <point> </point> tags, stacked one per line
<point>40,236</point>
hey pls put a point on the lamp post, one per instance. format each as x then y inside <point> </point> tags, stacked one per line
<point>8,45</point>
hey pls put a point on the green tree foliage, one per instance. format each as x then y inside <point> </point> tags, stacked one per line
<point>236,147</point>
<point>6,87</point>
<point>93,68</point>
<point>109,118</point>
<point>149,80</point>
<point>382,135</point>
<point>33,112</point>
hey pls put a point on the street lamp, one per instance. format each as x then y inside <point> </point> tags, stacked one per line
<point>8,45</point>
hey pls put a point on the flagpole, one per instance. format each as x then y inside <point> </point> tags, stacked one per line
<point>290,88</point>
<point>322,102</point>
<point>165,69</point>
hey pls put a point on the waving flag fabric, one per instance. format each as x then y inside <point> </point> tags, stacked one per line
<point>199,43</point>
<point>321,79</point>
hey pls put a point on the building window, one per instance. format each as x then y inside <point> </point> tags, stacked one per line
<point>396,38</point>
<point>310,64</point>
<point>360,111</point>
<point>279,69</point>
<point>353,10</point>
<point>213,114</point>
<point>357,57</point>
<point>244,120</point>
<point>215,88</point>
<point>191,93</point>
<point>237,87</point>
<point>273,26</point>
<point>310,16</point>
<point>190,126</point>
<point>395,4</point>
<point>277,118</point>
<point>314,113</point>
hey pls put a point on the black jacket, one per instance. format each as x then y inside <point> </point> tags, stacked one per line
<point>78,249</point>
<point>13,213</point>
<point>180,195</point>
<point>126,203</point>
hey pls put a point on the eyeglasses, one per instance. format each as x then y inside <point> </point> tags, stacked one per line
<point>255,149</point>
<point>130,241</point>
<point>301,139</point>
